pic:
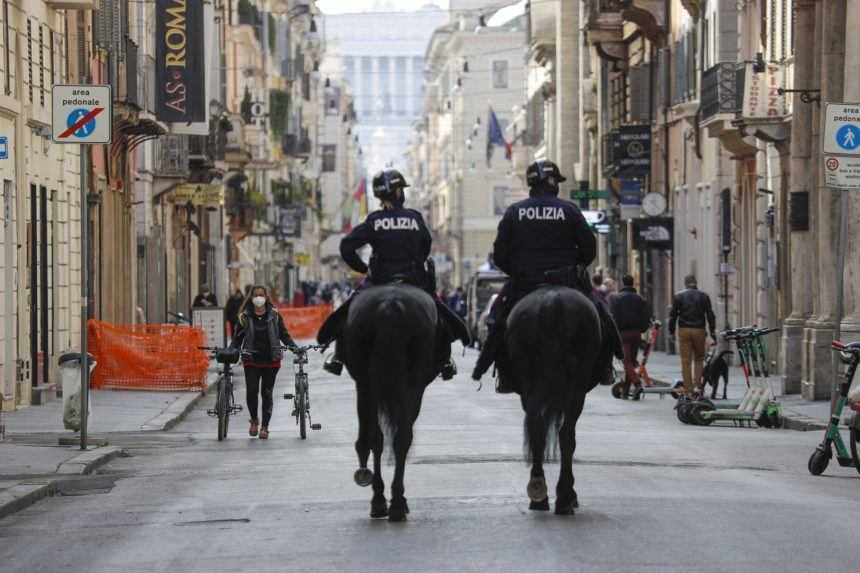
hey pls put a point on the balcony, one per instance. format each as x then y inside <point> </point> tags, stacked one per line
<point>721,95</point>
<point>295,145</point>
<point>171,156</point>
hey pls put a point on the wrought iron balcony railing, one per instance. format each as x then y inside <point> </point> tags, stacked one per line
<point>722,90</point>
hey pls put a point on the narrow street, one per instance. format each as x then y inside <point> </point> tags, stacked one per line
<point>655,496</point>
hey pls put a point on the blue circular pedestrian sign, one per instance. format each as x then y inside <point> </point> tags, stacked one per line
<point>84,129</point>
<point>848,136</point>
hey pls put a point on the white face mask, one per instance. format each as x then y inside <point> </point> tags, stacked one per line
<point>259,301</point>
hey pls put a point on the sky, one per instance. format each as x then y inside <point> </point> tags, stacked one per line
<point>351,6</point>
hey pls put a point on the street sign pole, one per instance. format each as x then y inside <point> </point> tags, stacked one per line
<point>85,363</point>
<point>841,246</point>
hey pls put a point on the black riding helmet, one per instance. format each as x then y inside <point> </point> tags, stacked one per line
<point>387,183</point>
<point>544,173</point>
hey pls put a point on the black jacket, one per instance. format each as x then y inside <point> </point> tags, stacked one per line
<point>542,233</point>
<point>267,349</point>
<point>630,310</point>
<point>691,308</point>
<point>400,242</point>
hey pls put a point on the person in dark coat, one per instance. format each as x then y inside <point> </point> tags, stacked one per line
<point>206,298</point>
<point>633,317</point>
<point>542,239</point>
<point>691,312</point>
<point>259,337</point>
<point>231,311</point>
<point>401,246</point>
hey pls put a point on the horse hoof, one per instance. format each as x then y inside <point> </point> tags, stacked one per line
<point>363,477</point>
<point>398,511</point>
<point>378,509</point>
<point>564,509</point>
<point>542,505</point>
<point>537,489</point>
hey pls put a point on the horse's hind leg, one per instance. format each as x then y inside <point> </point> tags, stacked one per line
<point>378,505</point>
<point>566,501</point>
<point>402,443</point>
<point>536,435</point>
<point>367,426</point>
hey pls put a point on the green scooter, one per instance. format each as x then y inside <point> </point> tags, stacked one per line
<point>850,355</point>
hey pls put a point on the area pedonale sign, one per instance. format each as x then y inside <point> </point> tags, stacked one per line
<point>179,61</point>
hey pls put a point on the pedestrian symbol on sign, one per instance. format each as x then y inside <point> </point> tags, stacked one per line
<point>848,136</point>
<point>85,128</point>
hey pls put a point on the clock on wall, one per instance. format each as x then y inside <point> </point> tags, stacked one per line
<point>654,204</point>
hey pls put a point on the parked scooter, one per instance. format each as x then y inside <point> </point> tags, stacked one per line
<point>849,354</point>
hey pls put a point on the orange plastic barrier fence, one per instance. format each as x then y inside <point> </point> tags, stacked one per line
<point>304,321</point>
<point>147,357</point>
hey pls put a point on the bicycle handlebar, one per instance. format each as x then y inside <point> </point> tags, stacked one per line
<point>747,332</point>
<point>305,349</point>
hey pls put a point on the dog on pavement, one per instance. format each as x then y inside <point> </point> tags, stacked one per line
<point>715,368</point>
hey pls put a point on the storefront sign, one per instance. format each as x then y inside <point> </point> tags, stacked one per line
<point>632,153</point>
<point>199,194</point>
<point>761,93</point>
<point>179,62</point>
<point>290,222</point>
<point>653,233</point>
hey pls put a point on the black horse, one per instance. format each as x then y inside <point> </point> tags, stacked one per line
<point>392,351</point>
<point>556,353</point>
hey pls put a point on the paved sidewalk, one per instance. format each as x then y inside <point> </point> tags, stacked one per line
<point>800,414</point>
<point>32,463</point>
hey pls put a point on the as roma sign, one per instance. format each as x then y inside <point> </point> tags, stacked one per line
<point>179,65</point>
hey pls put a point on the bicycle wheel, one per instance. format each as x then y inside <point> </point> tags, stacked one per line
<point>221,406</point>
<point>302,412</point>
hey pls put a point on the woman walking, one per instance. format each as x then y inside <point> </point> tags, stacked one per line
<point>260,334</point>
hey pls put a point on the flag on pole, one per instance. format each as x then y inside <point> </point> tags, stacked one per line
<point>495,137</point>
<point>355,206</point>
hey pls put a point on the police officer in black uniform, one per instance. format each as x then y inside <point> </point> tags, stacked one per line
<point>542,239</point>
<point>401,246</point>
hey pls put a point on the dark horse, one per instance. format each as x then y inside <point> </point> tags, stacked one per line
<point>391,351</point>
<point>555,349</point>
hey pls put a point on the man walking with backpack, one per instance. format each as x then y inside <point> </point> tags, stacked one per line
<point>633,317</point>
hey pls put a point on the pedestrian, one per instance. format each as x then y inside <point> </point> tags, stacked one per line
<point>232,310</point>
<point>609,286</point>
<point>633,317</point>
<point>692,311</point>
<point>259,337</point>
<point>205,298</point>
<point>597,290</point>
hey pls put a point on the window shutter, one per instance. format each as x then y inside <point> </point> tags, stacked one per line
<point>727,22</point>
<point>640,93</point>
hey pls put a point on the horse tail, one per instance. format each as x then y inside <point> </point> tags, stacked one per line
<point>555,364</point>
<point>388,364</point>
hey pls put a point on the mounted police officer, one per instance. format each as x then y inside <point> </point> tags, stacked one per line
<point>401,246</point>
<point>541,240</point>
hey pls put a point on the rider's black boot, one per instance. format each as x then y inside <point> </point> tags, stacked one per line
<point>334,364</point>
<point>488,352</point>
<point>449,370</point>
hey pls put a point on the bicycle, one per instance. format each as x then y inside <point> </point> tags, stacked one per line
<point>301,398</point>
<point>225,404</point>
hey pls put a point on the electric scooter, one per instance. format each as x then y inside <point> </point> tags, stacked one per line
<point>849,354</point>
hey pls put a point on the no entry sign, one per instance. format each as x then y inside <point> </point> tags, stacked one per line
<point>81,114</point>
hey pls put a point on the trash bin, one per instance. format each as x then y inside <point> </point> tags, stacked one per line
<point>70,376</point>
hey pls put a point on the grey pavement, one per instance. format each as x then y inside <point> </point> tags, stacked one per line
<point>32,461</point>
<point>656,496</point>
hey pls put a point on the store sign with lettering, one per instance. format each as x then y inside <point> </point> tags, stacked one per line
<point>179,66</point>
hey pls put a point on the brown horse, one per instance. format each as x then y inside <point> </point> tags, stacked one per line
<point>392,351</point>
<point>556,352</point>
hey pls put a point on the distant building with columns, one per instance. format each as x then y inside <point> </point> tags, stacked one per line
<point>380,55</point>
